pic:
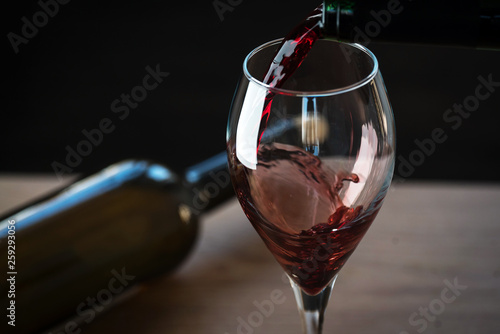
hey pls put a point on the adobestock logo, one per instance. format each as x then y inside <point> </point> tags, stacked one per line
<point>437,306</point>
<point>30,27</point>
<point>221,7</point>
<point>120,106</point>
<point>453,117</point>
<point>320,255</point>
<point>87,310</point>
<point>263,310</point>
<point>210,190</point>
<point>373,28</point>
<point>381,19</point>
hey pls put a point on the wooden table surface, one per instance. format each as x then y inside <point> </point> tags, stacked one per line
<point>429,264</point>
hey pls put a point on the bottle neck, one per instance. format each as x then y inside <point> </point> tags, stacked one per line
<point>208,183</point>
<point>472,23</point>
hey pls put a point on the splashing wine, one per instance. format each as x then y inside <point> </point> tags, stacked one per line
<point>310,232</point>
<point>289,56</point>
<point>294,201</point>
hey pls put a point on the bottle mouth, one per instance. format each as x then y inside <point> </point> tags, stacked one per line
<point>349,57</point>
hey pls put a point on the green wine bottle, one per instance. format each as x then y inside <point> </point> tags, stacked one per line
<point>74,251</point>
<point>465,23</point>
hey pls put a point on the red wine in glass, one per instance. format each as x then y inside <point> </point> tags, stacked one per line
<point>310,231</point>
<point>311,166</point>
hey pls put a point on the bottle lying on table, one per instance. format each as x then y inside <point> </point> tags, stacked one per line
<point>73,252</point>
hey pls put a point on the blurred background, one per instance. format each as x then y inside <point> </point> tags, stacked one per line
<point>64,79</point>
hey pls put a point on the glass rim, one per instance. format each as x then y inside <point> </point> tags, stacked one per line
<point>328,92</point>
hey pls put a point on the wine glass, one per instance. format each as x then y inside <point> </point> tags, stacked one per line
<point>311,169</point>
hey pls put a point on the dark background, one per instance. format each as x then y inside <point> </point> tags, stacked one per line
<point>65,78</point>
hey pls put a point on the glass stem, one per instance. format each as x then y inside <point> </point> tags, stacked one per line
<point>312,308</point>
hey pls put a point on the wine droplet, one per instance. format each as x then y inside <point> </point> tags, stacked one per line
<point>353,178</point>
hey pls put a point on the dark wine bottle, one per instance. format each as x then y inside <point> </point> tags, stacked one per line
<point>467,23</point>
<point>74,251</point>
